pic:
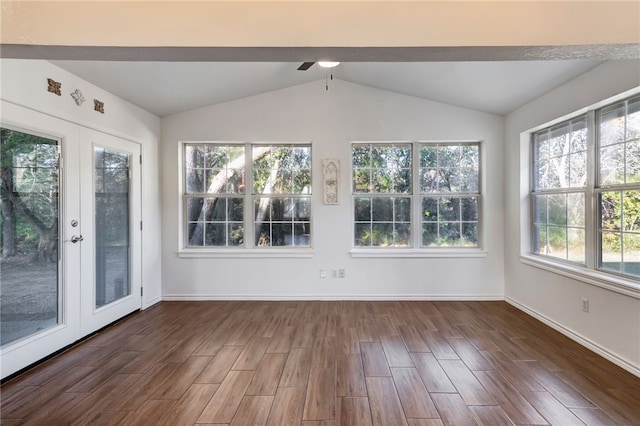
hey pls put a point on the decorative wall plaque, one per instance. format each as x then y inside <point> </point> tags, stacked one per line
<point>54,87</point>
<point>98,106</point>
<point>77,97</point>
<point>331,174</point>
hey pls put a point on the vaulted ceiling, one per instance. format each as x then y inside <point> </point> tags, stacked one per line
<point>172,56</point>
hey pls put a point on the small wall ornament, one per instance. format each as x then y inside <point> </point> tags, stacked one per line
<point>98,106</point>
<point>54,87</point>
<point>77,97</point>
<point>331,175</point>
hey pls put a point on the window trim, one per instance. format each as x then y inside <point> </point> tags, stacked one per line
<point>589,273</point>
<point>249,250</point>
<point>417,250</point>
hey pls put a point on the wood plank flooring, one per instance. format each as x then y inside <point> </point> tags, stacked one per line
<point>325,363</point>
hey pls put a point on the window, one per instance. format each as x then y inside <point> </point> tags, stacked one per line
<point>586,190</point>
<point>442,189</point>
<point>221,212</point>
<point>559,188</point>
<point>619,187</point>
<point>450,191</point>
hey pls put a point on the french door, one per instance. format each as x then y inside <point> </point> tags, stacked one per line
<point>110,229</point>
<point>70,224</point>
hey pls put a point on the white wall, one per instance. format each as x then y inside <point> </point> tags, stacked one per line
<point>24,83</point>
<point>330,120</point>
<point>612,326</point>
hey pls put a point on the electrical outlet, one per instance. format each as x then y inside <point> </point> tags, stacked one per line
<point>334,273</point>
<point>341,273</point>
<point>323,273</point>
<point>585,304</point>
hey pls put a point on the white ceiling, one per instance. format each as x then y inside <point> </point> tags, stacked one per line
<point>165,88</point>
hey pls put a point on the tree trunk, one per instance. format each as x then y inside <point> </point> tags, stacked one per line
<point>196,237</point>
<point>8,216</point>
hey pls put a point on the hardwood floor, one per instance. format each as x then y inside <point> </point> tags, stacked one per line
<point>325,363</point>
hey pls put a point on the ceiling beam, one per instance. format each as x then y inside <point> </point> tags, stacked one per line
<point>317,24</point>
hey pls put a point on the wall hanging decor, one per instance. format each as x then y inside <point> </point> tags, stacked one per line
<point>77,97</point>
<point>331,174</point>
<point>98,106</point>
<point>54,87</point>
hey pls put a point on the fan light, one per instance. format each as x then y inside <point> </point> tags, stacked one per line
<point>328,64</point>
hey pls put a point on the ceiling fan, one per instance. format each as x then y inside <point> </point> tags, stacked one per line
<point>324,64</point>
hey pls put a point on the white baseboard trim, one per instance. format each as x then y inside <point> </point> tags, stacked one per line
<point>589,344</point>
<point>367,297</point>
<point>149,303</point>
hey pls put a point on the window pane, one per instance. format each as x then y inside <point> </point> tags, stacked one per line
<point>632,254</point>
<point>612,125</point>
<point>611,211</point>
<point>540,209</point>
<point>576,245</point>
<point>449,209</point>
<point>469,234</point>
<point>557,241</point>
<point>382,181</point>
<point>633,119</point>
<point>216,234</point>
<point>541,145</point>
<point>281,169</point>
<point>361,156</point>
<point>382,234</point>
<point>362,209</point>
<point>578,136</point>
<point>633,161</point>
<point>402,235</point>
<point>382,209</point>
<point>429,180</point>
<point>449,233</point>
<point>612,251</point>
<point>575,210</point>
<point>236,234</point>
<point>469,208</point>
<point>541,243</point>
<point>361,180</point>
<point>428,156</point>
<point>363,234</point>
<point>195,181</point>
<point>430,209</point>
<point>448,156</point>
<point>430,234</point>
<point>29,213</point>
<point>276,218</point>
<point>631,202</point>
<point>559,141</point>
<point>578,170</point>
<point>402,210</point>
<point>612,165</point>
<point>558,209</point>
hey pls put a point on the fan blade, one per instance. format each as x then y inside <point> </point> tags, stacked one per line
<point>305,66</point>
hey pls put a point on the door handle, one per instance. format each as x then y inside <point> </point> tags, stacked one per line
<point>76,239</point>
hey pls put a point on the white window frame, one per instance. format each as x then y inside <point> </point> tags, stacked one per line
<point>589,272</point>
<point>249,249</point>
<point>416,250</point>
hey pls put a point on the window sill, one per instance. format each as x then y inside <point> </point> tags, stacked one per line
<point>417,253</point>
<point>600,279</point>
<point>246,253</point>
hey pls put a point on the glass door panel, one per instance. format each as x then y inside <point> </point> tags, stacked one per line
<point>110,204</point>
<point>29,220</point>
<point>111,177</point>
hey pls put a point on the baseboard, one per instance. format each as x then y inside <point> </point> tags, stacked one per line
<point>355,297</point>
<point>149,303</point>
<point>587,343</point>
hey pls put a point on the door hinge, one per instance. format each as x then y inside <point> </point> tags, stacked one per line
<point>141,225</point>
<point>140,159</point>
<point>141,292</point>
